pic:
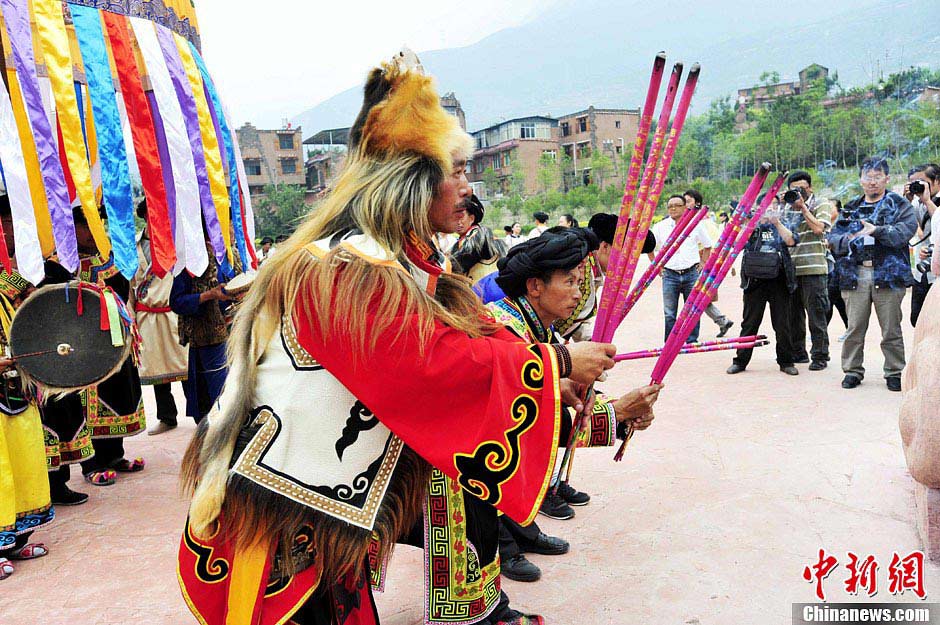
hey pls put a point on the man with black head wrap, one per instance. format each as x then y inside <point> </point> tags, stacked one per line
<point>541,279</point>
<point>579,325</point>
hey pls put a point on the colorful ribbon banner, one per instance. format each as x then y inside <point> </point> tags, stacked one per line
<point>26,238</point>
<point>16,17</point>
<point>210,144</point>
<point>190,114</point>
<point>215,106</point>
<point>145,145</point>
<point>112,157</point>
<point>54,41</point>
<point>193,255</point>
<point>248,214</point>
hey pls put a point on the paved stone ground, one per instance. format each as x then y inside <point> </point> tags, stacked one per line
<point>710,519</point>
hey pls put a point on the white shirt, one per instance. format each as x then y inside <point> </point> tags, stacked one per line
<point>537,231</point>
<point>513,239</point>
<point>687,254</point>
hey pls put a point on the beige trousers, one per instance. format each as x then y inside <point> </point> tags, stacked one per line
<point>887,305</point>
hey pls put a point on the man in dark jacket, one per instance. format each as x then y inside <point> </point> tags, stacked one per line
<point>768,278</point>
<point>870,244</point>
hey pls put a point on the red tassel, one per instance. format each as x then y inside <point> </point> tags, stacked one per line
<point>105,324</point>
<point>80,306</point>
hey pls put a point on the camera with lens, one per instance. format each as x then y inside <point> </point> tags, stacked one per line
<point>924,265</point>
<point>792,196</point>
<point>917,187</point>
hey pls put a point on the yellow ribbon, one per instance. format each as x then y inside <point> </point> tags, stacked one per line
<point>210,144</point>
<point>37,188</point>
<point>54,42</point>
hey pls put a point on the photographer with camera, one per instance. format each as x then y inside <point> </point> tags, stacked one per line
<point>810,302</point>
<point>870,244</point>
<point>768,279</point>
<point>923,190</point>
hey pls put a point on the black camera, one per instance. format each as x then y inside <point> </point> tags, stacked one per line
<point>792,196</point>
<point>917,187</point>
<point>924,265</point>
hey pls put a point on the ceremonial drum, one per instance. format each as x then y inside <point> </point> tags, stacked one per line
<point>70,336</point>
<point>239,285</point>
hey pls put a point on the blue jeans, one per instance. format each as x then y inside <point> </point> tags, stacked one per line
<point>675,283</point>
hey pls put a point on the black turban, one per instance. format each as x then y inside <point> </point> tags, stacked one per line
<point>551,251</point>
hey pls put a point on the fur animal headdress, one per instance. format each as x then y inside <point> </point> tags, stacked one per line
<point>402,113</point>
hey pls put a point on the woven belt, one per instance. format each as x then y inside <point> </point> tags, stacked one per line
<point>683,271</point>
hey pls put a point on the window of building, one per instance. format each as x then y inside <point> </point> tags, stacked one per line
<point>582,124</point>
<point>552,154</point>
<point>527,130</point>
<point>255,189</point>
<point>565,129</point>
<point>252,167</point>
<point>617,124</point>
<point>569,150</point>
<point>288,165</point>
<point>478,166</point>
<point>506,159</point>
<point>285,142</point>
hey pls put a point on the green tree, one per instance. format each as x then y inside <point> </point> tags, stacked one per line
<point>548,176</point>
<point>491,181</point>
<point>280,210</point>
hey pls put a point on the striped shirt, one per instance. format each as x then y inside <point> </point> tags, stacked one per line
<point>809,255</point>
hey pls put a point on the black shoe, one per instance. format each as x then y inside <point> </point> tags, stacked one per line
<point>545,545</point>
<point>723,328</point>
<point>519,569</point>
<point>802,360</point>
<point>571,496</point>
<point>789,369</point>
<point>851,381</point>
<point>735,368</point>
<point>68,497</point>
<point>554,507</point>
<point>818,365</point>
<point>894,383</point>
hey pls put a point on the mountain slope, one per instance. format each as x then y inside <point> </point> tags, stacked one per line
<point>599,52</point>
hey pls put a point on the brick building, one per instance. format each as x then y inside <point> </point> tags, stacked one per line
<point>271,157</point>
<point>610,131</point>
<point>513,143</point>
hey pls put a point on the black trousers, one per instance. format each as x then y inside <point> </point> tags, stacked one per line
<point>511,534</point>
<point>836,301</point>
<point>757,297</point>
<point>166,405</point>
<point>810,303</point>
<point>918,295</point>
<point>107,450</point>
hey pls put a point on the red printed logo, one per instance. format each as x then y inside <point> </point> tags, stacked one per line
<point>904,574</point>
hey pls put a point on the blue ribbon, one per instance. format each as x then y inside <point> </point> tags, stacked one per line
<point>115,173</point>
<point>216,105</point>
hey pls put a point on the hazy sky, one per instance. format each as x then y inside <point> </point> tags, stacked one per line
<point>273,59</point>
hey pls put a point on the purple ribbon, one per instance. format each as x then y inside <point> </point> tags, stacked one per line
<point>191,117</point>
<point>164,151</point>
<point>16,15</point>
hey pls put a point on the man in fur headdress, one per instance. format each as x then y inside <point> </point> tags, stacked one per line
<point>348,388</point>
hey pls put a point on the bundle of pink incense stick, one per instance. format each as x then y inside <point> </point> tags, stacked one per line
<point>640,200</point>
<point>733,238</point>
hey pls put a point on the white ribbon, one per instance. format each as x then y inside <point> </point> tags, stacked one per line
<point>242,182</point>
<point>25,235</point>
<point>190,241</point>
